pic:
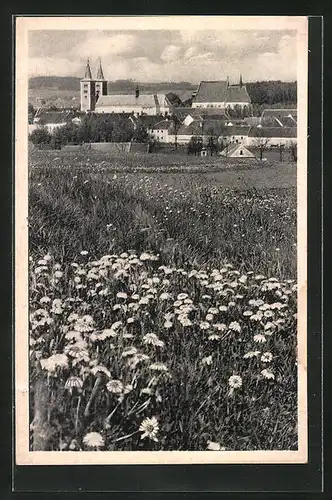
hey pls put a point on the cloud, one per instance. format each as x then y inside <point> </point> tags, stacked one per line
<point>187,55</point>
<point>51,66</point>
<point>170,53</point>
<point>104,45</point>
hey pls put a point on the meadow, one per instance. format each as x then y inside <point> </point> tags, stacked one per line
<point>162,303</point>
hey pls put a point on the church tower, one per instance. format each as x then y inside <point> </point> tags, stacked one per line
<point>101,82</point>
<point>88,90</point>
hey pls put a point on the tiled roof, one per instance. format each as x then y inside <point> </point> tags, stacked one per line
<point>273,132</point>
<point>193,128</point>
<point>242,130</point>
<point>280,113</point>
<point>130,100</point>
<point>236,93</point>
<point>230,150</point>
<point>162,125</point>
<point>211,92</point>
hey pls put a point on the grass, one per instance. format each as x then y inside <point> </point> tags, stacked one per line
<point>205,261</point>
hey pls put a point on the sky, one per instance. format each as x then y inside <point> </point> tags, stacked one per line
<point>166,55</point>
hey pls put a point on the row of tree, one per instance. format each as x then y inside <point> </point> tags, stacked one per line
<point>93,128</point>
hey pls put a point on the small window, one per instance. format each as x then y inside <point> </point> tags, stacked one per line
<point>241,152</point>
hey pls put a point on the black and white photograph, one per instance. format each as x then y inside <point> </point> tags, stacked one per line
<point>160,179</point>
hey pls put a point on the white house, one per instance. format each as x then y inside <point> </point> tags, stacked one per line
<point>273,136</point>
<point>161,131</point>
<point>236,151</point>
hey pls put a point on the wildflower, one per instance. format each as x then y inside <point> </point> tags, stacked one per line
<point>261,339</point>
<point>144,300</point>
<point>53,362</point>
<point>214,336</point>
<point>100,369</point>
<point>268,374</point>
<point>45,300</point>
<point>209,317</point>
<point>152,339</point>
<point>93,440</point>
<point>204,325</point>
<point>220,327</point>
<point>115,386</point>
<point>47,257</point>
<point>168,324</point>
<point>84,324</point>
<point>73,335</point>
<point>58,274</point>
<point>165,296</point>
<point>266,357</point>
<point>256,317</point>
<point>182,296</point>
<point>57,306</point>
<point>129,351</point>
<point>234,326</point>
<point>145,256</point>
<point>84,252</point>
<point>207,361</point>
<point>184,320</point>
<point>235,381</point>
<point>251,354</point>
<point>248,313</point>
<point>73,382</point>
<point>158,367</point>
<point>212,446</point>
<point>122,295</point>
<point>149,427</point>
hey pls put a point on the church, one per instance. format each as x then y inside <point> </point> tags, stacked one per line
<point>94,98</point>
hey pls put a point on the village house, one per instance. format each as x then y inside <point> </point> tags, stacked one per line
<point>220,94</point>
<point>279,118</point>
<point>162,131</point>
<point>53,120</point>
<point>237,151</point>
<point>273,136</point>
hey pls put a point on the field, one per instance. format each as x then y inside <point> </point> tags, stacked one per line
<point>162,303</point>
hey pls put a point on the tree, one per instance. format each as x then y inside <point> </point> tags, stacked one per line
<point>261,142</point>
<point>176,124</point>
<point>293,151</point>
<point>40,136</point>
<point>140,134</point>
<point>281,149</point>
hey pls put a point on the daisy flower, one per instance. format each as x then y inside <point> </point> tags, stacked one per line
<point>268,374</point>
<point>93,440</point>
<point>159,367</point>
<point>74,383</point>
<point>152,339</point>
<point>235,381</point>
<point>114,386</point>
<point>234,326</point>
<point>251,354</point>
<point>261,339</point>
<point>149,428</point>
<point>207,361</point>
<point>266,357</point>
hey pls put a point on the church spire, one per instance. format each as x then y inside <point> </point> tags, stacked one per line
<point>100,74</point>
<point>88,74</point>
<point>241,82</point>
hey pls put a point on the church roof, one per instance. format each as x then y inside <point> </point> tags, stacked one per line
<point>88,74</point>
<point>211,92</point>
<point>100,74</point>
<point>236,93</point>
<point>130,100</point>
